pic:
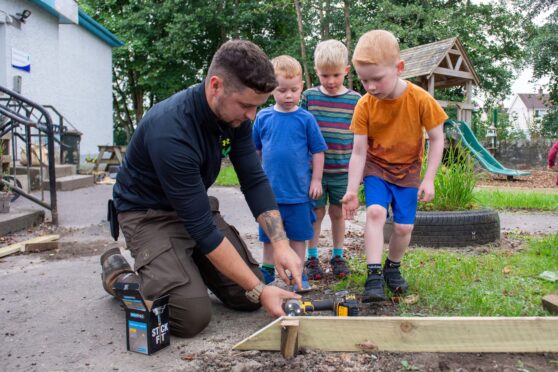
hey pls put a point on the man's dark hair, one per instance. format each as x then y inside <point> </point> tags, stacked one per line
<point>242,63</point>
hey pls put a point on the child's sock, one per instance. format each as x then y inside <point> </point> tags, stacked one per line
<point>268,272</point>
<point>269,267</point>
<point>337,252</point>
<point>312,252</point>
<point>390,263</point>
<point>374,269</point>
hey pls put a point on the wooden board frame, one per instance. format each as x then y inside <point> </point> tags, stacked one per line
<point>414,334</point>
<point>20,246</point>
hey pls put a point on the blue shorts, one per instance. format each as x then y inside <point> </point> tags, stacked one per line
<point>403,200</point>
<point>297,219</point>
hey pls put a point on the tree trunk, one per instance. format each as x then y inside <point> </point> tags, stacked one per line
<point>302,44</point>
<point>325,10</point>
<point>346,8</point>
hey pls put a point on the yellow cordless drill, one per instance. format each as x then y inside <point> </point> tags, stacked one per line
<point>342,305</point>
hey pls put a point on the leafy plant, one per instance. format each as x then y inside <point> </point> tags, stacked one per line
<point>454,183</point>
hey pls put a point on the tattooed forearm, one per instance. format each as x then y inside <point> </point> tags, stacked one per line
<point>272,225</point>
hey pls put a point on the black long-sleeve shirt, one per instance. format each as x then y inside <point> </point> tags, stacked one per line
<point>175,155</point>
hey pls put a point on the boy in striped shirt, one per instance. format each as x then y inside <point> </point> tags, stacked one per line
<point>332,104</point>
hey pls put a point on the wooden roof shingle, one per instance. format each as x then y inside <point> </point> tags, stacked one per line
<point>425,60</point>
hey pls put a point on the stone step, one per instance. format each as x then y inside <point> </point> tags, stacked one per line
<point>20,220</point>
<point>61,170</point>
<point>69,183</point>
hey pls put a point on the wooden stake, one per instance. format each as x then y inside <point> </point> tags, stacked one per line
<point>401,334</point>
<point>289,338</point>
<point>550,303</point>
<point>20,247</point>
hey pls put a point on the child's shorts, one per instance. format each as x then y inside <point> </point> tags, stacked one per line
<point>297,219</point>
<point>334,186</point>
<point>403,200</point>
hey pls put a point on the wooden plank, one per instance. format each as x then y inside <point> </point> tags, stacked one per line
<point>20,247</point>
<point>448,72</point>
<point>448,60</point>
<point>550,303</point>
<point>289,338</point>
<point>41,246</point>
<point>409,334</point>
<point>458,63</point>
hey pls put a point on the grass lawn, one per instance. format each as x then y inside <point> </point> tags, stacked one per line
<point>517,200</point>
<point>451,283</point>
<point>227,177</point>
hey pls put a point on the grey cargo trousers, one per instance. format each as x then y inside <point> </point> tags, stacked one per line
<point>167,262</point>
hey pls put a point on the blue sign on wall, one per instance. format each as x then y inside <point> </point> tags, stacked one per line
<point>21,60</point>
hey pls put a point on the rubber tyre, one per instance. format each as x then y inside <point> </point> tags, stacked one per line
<point>452,229</point>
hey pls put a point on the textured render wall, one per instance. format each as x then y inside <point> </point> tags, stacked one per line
<point>38,37</point>
<point>85,86</point>
<point>3,57</point>
<point>523,154</point>
<point>70,69</point>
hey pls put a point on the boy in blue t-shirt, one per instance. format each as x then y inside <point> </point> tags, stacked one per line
<point>292,149</point>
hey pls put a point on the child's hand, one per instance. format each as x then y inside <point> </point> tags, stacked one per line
<point>315,189</point>
<point>426,191</point>
<point>350,205</point>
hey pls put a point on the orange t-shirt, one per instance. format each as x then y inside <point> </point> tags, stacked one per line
<point>395,133</point>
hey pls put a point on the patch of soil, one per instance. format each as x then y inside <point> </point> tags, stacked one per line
<point>73,242</point>
<point>313,360</point>
<point>538,179</point>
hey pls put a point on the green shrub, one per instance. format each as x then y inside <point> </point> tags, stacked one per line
<point>454,183</point>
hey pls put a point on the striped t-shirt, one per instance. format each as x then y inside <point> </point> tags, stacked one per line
<point>333,114</point>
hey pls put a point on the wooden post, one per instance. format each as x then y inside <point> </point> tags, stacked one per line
<point>431,81</point>
<point>550,303</point>
<point>289,338</point>
<point>468,99</point>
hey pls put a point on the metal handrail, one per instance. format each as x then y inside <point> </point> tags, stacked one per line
<point>42,124</point>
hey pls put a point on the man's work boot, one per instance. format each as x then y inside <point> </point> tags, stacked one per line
<point>374,287</point>
<point>113,264</point>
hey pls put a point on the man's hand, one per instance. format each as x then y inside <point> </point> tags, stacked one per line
<point>272,299</point>
<point>315,189</point>
<point>426,191</point>
<point>285,258</point>
<point>350,205</point>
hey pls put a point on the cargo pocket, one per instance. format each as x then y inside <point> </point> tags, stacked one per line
<point>160,270</point>
<point>234,236</point>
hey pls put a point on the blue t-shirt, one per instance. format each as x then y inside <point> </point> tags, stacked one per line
<point>287,141</point>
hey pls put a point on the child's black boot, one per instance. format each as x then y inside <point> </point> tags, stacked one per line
<point>374,286</point>
<point>394,281</point>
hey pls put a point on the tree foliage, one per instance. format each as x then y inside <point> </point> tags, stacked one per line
<point>543,54</point>
<point>169,43</point>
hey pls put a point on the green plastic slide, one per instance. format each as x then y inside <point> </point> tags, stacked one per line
<point>480,153</point>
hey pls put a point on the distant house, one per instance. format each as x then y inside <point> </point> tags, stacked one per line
<point>55,54</point>
<point>526,107</point>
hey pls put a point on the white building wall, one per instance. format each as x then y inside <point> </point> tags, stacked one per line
<point>520,114</point>
<point>70,70</point>
<point>38,37</point>
<point>85,86</point>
